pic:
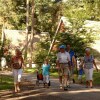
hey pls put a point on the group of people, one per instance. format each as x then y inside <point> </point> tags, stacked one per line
<point>65,64</point>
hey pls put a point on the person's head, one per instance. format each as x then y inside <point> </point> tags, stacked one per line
<point>87,51</point>
<point>46,61</point>
<point>62,48</point>
<point>17,52</point>
<point>68,47</point>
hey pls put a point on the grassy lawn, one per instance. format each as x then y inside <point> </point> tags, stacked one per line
<point>30,70</point>
<point>7,82</point>
<point>96,77</point>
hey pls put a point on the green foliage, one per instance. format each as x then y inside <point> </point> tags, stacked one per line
<point>93,9</point>
<point>77,42</point>
<point>77,11</point>
<point>13,13</point>
<point>46,13</point>
<point>41,52</point>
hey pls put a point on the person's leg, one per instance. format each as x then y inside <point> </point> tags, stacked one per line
<point>47,80</point>
<point>91,83</point>
<point>60,76</point>
<point>68,78</point>
<point>15,74</point>
<point>19,79</point>
<point>91,77</point>
<point>44,80</point>
<point>72,73</point>
<point>66,72</point>
<point>87,83</point>
<point>60,79</point>
<point>81,79</point>
<point>87,77</point>
<point>65,80</point>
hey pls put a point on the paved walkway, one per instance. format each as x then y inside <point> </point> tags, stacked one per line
<point>33,92</point>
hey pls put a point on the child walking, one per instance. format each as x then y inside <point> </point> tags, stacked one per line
<point>45,72</point>
<point>80,71</point>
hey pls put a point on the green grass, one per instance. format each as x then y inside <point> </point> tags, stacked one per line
<point>7,82</point>
<point>96,78</point>
<point>54,74</point>
<point>29,70</point>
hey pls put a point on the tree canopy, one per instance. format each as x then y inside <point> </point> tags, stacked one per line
<point>47,14</point>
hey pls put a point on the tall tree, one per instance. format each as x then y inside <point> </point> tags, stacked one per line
<point>14,12</point>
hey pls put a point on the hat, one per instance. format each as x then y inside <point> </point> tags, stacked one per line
<point>62,47</point>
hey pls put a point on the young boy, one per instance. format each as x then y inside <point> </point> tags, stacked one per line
<point>80,71</point>
<point>45,72</point>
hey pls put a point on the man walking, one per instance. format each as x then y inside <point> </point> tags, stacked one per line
<point>72,59</point>
<point>63,64</point>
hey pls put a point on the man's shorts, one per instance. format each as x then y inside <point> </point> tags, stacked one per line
<point>63,70</point>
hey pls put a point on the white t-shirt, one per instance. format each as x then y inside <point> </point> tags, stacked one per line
<point>63,57</point>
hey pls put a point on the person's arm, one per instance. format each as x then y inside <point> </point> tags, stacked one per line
<point>42,67</point>
<point>23,65</point>
<point>57,61</point>
<point>49,67</point>
<point>57,64</point>
<point>69,61</point>
<point>95,65</point>
<point>74,60</point>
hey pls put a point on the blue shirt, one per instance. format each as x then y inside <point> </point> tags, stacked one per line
<point>81,71</point>
<point>45,68</point>
<point>71,52</point>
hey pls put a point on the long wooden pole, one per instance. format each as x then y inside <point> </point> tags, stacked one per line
<point>54,38</point>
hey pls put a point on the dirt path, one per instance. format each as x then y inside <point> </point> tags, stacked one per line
<point>32,92</point>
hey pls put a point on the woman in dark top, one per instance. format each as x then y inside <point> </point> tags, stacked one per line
<point>17,64</point>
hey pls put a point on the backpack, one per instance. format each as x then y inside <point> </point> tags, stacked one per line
<point>17,63</point>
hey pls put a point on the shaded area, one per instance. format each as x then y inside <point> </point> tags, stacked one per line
<point>32,92</point>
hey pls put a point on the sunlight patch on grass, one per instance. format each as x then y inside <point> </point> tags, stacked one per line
<point>30,70</point>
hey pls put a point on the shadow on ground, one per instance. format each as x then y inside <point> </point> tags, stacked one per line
<point>31,92</point>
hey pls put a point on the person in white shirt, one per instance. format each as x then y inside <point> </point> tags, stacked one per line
<point>3,63</point>
<point>63,64</point>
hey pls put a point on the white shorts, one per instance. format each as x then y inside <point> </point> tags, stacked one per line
<point>89,74</point>
<point>17,75</point>
<point>79,77</point>
<point>46,79</point>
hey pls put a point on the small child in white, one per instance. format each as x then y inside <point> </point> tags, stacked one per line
<point>45,72</point>
<point>80,71</point>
